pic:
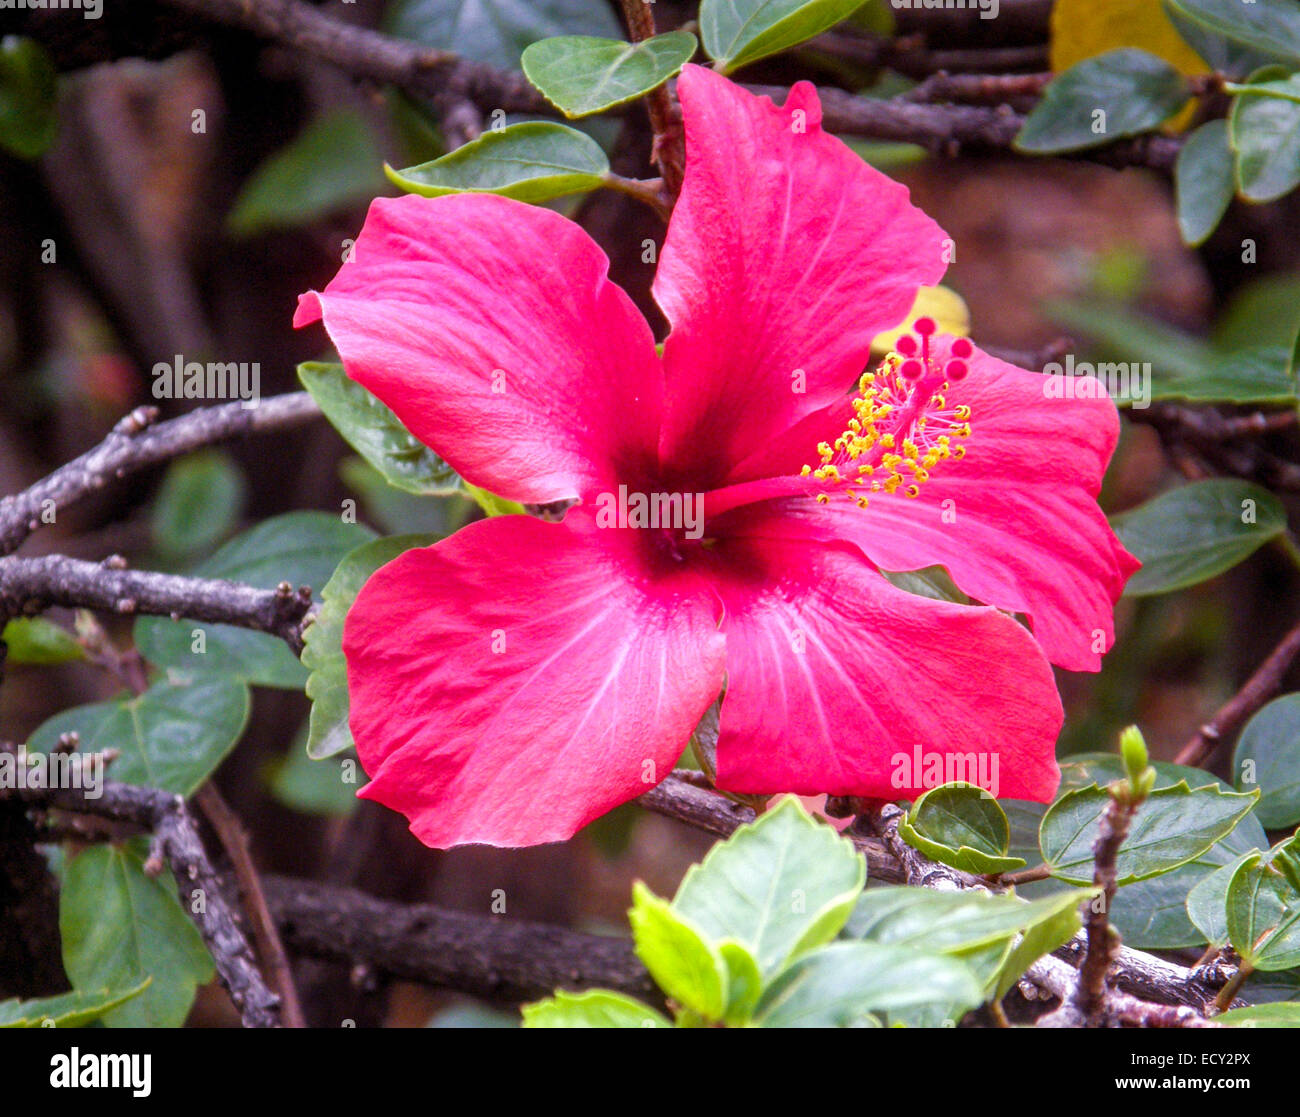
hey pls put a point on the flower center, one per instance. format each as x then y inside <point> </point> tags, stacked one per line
<point>903,426</point>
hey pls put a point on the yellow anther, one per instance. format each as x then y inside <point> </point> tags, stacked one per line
<point>822,498</point>
<point>912,491</point>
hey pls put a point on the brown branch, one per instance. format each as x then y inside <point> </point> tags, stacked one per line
<point>669,149</point>
<point>1091,993</point>
<point>499,959</point>
<point>30,585</point>
<point>137,442</point>
<point>270,951</point>
<point>1234,713</point>
<point>176,840</point>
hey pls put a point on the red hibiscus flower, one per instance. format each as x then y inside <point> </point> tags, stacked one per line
<point>521,678</point>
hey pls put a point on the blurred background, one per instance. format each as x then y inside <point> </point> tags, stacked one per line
<point>201,178</point>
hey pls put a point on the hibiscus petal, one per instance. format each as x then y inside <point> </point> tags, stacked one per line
<point>1016,521</point>
<point>521,678</point>
<point>838,682</point>
<point>493,331</point>
<point>786,254</point>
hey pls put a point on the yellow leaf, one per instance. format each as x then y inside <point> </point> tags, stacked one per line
<point>945,306</point>
<point>1086,28</point>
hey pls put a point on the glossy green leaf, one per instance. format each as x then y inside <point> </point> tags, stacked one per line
<point>371,428</point>
<point>581,75</point>
<point>198,503</point>
<point>779,886</point>
<point>322,653</point>
<point>1264,132</point>
<point>1207,902</point>
<point>119,926</point>
<point>1279,1015</point>
<point>1174,826</point>
<point>1117,94</point>
<point>1204,182</point>
<point>1198,530</point>
<point>67,1010</point>
<point>333,163</point>
<point>684,964</point>
<point>497,31</point>
<point>301,548</point>
<point>1263,908</point>
<point>530,162</point>
<point>737,32</point>
<point>1267,757</point>
<point>597,1008</point>
<point>837,986</point>
<point>172,737</point>
<point>28,97</point>
<point>744,982</point>
<point>962,826</point>
<point>36,642</point>
<point>1269,26</point>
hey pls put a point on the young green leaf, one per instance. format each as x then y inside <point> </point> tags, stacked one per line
<point>1189,534</point>
<point>1204,182</point>
<point>1263,908</point>
<point>581,75</point>
<point>531,162</point>
<point>778,886</point>
<point>301,548</point>
<point>683,962</point>
<point>1174,826</point>
<point>1103,99</point>
<point>36,642</point>
<point>1280,1015</point>
<point>737,32</point>
<point>837,986</point>
<point>963,826</point>
<point>172,737</point>
<point>119,926</point>
<point>596,1008</point>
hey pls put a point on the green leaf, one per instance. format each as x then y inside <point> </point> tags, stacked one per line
<point>963,826</point>
<point>120,926</point>
<point>684,964</point>
<point>1185,367</point>
<point>67,1010</point>
<point>497,31</point>
<point>36,642</point>
<point>333,163</point>
<point>314,787</point>
<point>933,582</point>
<point>396,511</point>
<point>1174,826</point>
<point>737,32</point>
<point>1102,99</point>
<point>1193,532</point>
<point>744,983</point>
<point>301,548</point>
<point>371,428</point>
<point>779,886</point>
<point>837,986</point>
<point>172,737</point>
<point>198,503</point>
<point>1204,181</point>
<point>1264,312</point>
<point>1263,908</point>
<point>1268,757</point>
<point>322,653</point>
<point>1207,902</point>
<point>1280,1015</point>
<point>1264,132</point>
<point>581,75</point>
<point>1269,26</point>
<point>530,162</point>
<point>979,928</point>
<point>597,1008</point>
<point>28,97</point>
